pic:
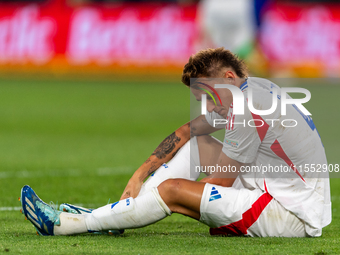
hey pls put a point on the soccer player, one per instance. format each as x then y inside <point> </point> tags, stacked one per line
<point>283,199</point>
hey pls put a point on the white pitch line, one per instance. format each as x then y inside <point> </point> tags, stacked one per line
<point>104,171</point>
<point>15,208</point>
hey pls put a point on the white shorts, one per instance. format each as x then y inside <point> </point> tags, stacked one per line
<point>233,211</point>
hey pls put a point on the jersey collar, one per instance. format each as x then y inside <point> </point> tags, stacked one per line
<point>244,86</point>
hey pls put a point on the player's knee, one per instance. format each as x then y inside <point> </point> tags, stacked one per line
<point>169,190</point>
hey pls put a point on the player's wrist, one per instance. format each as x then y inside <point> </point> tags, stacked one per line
<point>137,178</point>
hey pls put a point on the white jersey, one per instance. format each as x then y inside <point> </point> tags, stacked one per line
<point>279,152</point>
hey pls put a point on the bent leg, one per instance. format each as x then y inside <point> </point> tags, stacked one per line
<point>225,210</point>
<point>181,166</point>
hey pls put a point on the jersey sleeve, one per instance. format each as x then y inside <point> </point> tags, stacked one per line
<point>242,141</point>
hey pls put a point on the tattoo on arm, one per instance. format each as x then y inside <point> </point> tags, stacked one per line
<point>173,155</point>
<point>167,146</point>
<point>152,169</point>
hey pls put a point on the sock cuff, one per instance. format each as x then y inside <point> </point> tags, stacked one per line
<point>161,202</point>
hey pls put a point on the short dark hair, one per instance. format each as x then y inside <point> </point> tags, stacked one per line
<point>209,62</point>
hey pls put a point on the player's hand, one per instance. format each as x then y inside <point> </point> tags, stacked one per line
<point>132,189</point>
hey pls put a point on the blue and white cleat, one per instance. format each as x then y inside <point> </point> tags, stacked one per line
<point>75,209</point>
<point>42,215</point>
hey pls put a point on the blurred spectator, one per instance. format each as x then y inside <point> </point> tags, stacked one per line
<point>228,23</point>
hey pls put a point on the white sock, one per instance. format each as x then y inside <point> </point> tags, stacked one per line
<point>180,166</point>
<point>129,213</point>
<point>70,224</point>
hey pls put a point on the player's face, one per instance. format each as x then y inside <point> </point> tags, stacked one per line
<point>218,100</point>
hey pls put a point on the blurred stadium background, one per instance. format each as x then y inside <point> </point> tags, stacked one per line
<point>89,88</point>
<point>106,38</point>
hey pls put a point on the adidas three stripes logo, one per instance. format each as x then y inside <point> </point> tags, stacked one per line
<point>214,194</point>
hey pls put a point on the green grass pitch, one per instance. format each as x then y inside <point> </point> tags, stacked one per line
<point>79,142</point>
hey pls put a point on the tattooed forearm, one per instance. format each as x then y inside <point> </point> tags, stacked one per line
<point>167,146</point>
<point>152,169</point>
<point>173,155</point>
